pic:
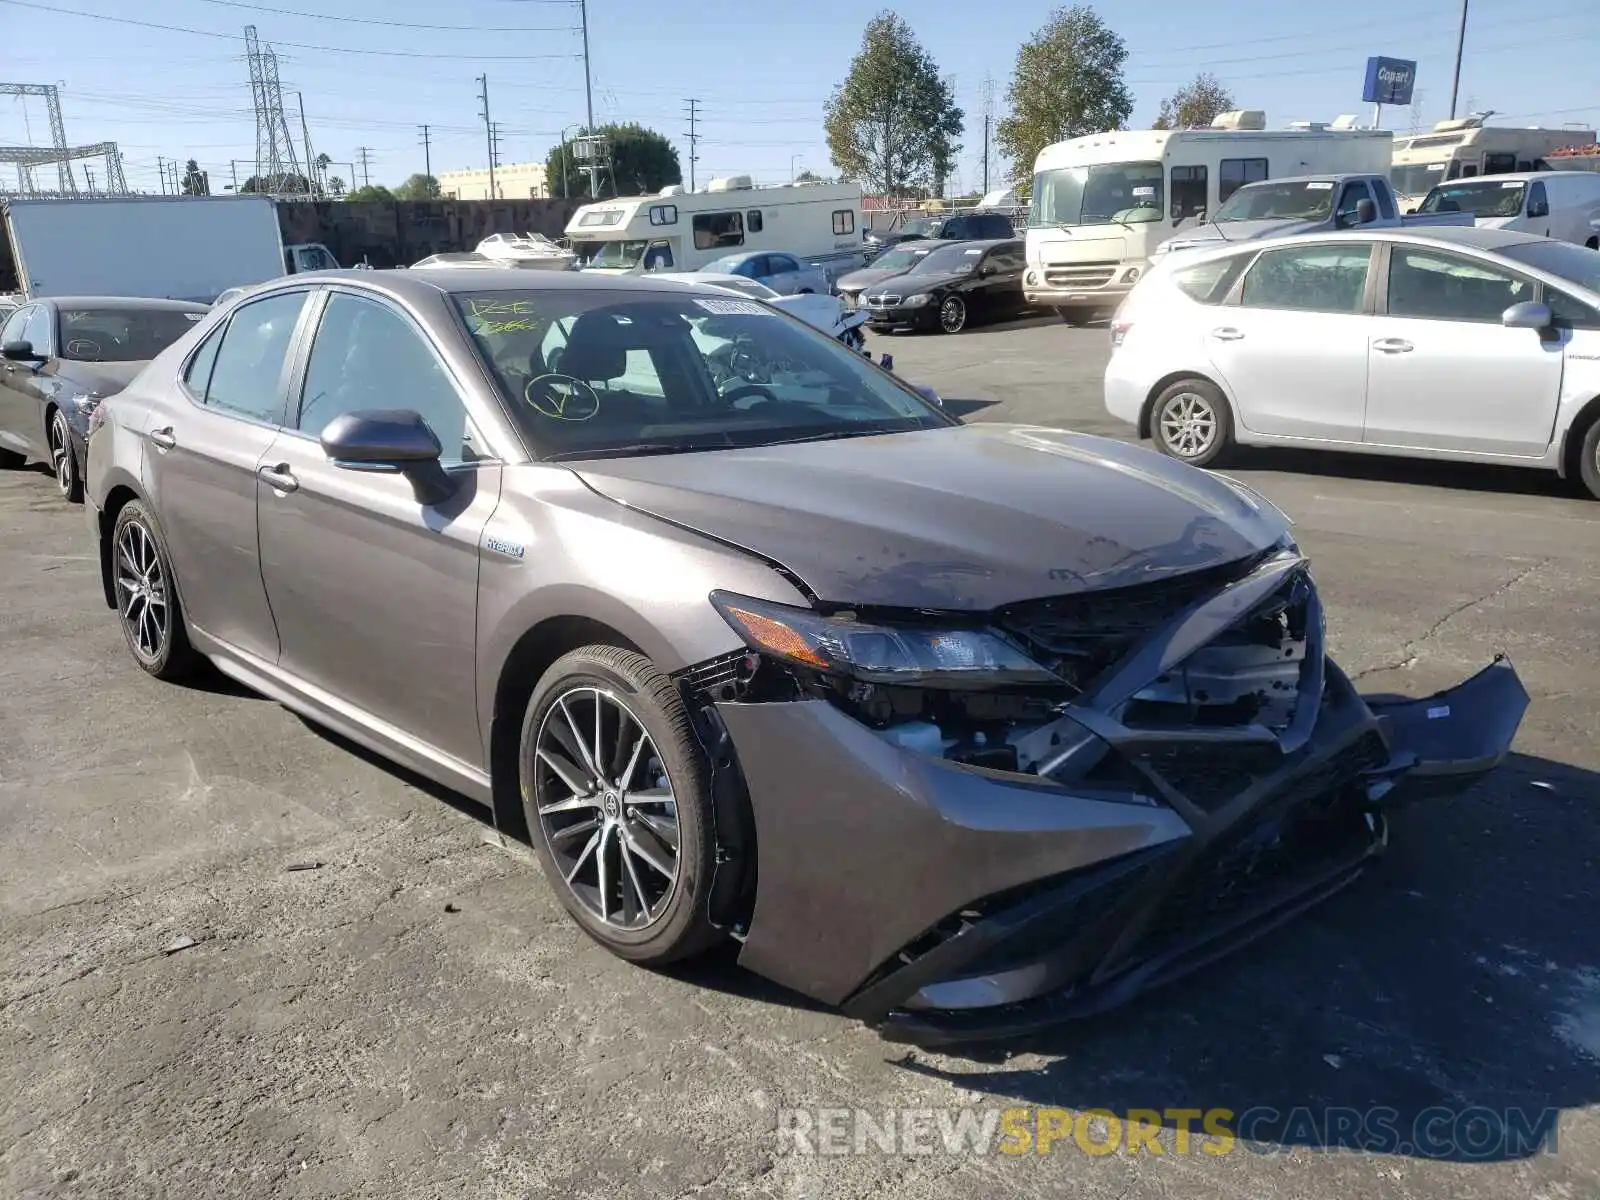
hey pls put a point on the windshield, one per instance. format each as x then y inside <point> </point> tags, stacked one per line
<point>620,373</point>
<point>902,258</point>
<point>611,254</point>
<point>1578,264</point>
<point>917,227</point>
<point>122,334</point>
<point>1302,201</point>
<point>1480,197</point>
<point>960,257</point>
<point>1416,179</point>
<point>1126,192</point>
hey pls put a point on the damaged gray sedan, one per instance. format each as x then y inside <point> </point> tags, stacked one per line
<point>964,729</point>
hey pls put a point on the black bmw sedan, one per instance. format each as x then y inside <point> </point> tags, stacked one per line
<point>960,284</point>
<point>65,354</point>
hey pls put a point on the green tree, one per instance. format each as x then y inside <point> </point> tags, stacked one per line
<point>419,187</point>
<point>808,177</point>
<point>335,186</point>
<point>288,185</point>
<point>892,124</point>
<point>374,191</point>
<point>1067,83</point>
<point>195,181</point>
<point>642,161</point>
<point>1196,103</point>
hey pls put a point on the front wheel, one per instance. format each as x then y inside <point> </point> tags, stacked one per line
<point>63,460</point>
<point>953,315</point>
<point>1191,422</point>
<point>617,795</point>
<point>1589,463</point>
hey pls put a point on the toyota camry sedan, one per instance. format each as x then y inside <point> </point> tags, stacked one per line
<point>1477,345</point>
<point>965,729</point>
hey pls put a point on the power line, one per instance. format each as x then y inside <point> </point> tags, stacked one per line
<point>72,12</point>
<point>292,12</point>
<point>694,137</point>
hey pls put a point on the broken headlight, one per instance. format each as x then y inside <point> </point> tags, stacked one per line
<point>924,656</point>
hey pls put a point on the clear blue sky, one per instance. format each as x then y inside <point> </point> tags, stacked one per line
<point>761,79</point>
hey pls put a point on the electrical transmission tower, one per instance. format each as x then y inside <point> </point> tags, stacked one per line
<point>277,164</point>
<point>58,154</point>
<point>694,138</point>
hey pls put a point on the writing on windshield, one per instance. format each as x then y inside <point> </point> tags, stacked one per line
<point>1300,201</point>
<point>1129,193</point>
<point>1481,198</point>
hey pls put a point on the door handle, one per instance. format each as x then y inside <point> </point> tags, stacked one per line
<point>1227,334</point>
<point>163,439</point>
<point>1393,345</point>
<point>278,477</point>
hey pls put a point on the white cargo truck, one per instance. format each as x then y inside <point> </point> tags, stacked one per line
<point>169,247</point>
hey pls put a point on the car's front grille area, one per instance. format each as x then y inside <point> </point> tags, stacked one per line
<point>884,301</point>
<point>1080,275</point>
<point>1209,776</point>
<point>1083,635</point>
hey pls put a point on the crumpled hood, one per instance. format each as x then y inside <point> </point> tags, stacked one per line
<point>965,518</point>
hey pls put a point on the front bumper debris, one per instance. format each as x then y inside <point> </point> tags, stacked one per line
<point>943,901</point>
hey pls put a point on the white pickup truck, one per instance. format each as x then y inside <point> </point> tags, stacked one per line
<point>168,247</point>
<point>1305,204</point>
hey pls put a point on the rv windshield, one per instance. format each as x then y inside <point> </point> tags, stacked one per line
<point>1306,200</point>
<point>1126,192</point>
<point>624,255</point>
<point>1416,179</point>
<point>1480,197</point>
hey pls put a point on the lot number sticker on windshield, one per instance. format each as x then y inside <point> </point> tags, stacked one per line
<point>1319,187</point>
<point>1144,191</point>
<point>735,308</point>
<point>1515,183</point>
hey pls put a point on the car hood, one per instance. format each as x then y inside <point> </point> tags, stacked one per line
<point>911,282</point>
<point>966,518</point>
<point>857,280</point>
<point>102,377</point>
<point>1244,231</point>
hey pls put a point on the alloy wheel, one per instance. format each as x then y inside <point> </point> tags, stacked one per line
<point>142,599</point>
<point>61,455</point>
<point>952,315</point>
<point>1188,424</point>
<point>606,807</point>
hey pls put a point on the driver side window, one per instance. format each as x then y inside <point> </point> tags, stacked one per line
<point>37,331</point>
<point>14,326</point>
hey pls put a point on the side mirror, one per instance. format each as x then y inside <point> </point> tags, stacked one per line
<point>1538,208</point>
<point>1366,212</point>
<point>390,442</point>
<point>1530,314</point>
<point>20,352</point>
<point>928,394</point>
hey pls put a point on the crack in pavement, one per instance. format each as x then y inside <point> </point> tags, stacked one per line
<point>1408,651</point>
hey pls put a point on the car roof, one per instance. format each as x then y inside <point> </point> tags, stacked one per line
<point>1467,236</point>
<point>409,285</point>
<point>134,302</point>
<point>986,243</point>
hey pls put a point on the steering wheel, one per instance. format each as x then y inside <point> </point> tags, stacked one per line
<point>729,398</point>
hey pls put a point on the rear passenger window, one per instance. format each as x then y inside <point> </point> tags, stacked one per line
<point>1210,282</point>
<point>247,374</point>
<point>1329,279</point>
<point>199,373</point>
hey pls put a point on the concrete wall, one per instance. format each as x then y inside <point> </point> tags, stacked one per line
<point>398,234</point>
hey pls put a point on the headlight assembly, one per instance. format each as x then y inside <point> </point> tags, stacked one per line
<point>923,656</point>
<point>916,301</point>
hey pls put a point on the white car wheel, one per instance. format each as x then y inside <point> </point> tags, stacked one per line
<point>1191,422</point>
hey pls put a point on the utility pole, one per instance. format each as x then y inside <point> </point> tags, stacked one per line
<point>366,174</point>
<point>988,118</point>
<point>588,97</point>
<point>427,154</point>
<point>488,129</point>
<point>694,138</point>
<point>494,147</point>
<point>161,169</point>
<point>305,139</point>
<point>1461,43</point>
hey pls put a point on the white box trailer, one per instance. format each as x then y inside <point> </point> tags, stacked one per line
<point>679,230</point>
<point>171,247</point>
<point>1102,204</point>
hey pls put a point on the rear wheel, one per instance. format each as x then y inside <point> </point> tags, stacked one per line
<point>147,600</point>
<point>63,460</point>
<point>617,795</point>
<point>1589,461</point>
<point>1190,421</point>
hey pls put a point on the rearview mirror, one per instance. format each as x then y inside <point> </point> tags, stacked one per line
<point>1530,314</point>
<point>20,352</point>
<point>390,442</point>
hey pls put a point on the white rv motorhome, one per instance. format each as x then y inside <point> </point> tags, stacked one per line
<point>1465,147</point>
<point>1103,203</point>
<point>680,230</point>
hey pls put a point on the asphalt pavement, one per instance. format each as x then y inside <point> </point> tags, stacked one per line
<point>239,958</point>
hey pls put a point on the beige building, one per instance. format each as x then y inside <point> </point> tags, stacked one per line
<point>513,181</point>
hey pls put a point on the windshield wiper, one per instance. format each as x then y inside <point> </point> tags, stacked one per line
<point>640,449</point>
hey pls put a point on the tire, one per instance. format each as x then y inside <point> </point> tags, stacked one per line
<point>63,461</point>
<point>1589,459</point>
<point>1191,422</point>
<point>952,314</point>
<point>171,657</point>
<point>645,909</point>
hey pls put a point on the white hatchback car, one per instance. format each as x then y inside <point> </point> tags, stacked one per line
<point>1478,345</point>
